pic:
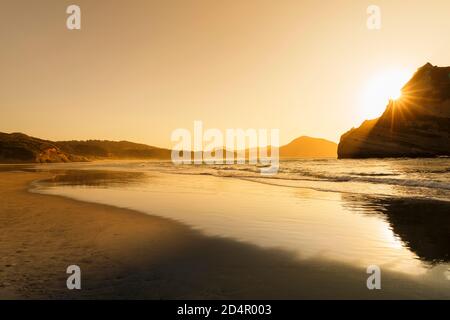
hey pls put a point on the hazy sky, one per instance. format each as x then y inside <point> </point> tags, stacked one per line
<point>137,70</point>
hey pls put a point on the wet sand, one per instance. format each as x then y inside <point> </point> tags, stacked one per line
<point>124,254</point>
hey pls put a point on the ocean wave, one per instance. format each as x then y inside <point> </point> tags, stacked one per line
<point>308,175</point>
<point>372,174</point>
<point>445,170</point>
<point>410,183</point>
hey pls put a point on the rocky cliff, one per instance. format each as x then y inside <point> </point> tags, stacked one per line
<point>416,125</point>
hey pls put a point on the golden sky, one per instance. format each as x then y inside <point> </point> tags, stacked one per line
<point>139,69</point>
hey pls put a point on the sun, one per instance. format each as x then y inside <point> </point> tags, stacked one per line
<point>380,89</point>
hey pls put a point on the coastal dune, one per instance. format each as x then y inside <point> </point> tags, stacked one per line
<point>126,254</point>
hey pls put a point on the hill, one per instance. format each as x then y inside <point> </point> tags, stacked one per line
<point>104,149</point>
<point>20,148</point>
<point>307,147</point>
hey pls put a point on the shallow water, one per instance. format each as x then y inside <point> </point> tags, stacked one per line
<point>390,213</point>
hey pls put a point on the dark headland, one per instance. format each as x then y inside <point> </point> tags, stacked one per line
<point>416,125</point>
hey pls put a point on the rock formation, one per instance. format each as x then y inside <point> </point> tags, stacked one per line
<point>416,125</point>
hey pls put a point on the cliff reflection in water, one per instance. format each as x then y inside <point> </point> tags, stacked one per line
<point>423,226</point>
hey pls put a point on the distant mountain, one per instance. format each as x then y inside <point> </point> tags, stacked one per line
<point>416,125</point>
<point>307,147</point>
<point>20,148</point>
<point>302,147</point>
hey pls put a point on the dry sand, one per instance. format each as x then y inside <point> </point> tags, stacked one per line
<point>126,254</point>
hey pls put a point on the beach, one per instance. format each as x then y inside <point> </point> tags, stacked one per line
<point>225,150</point>
<point>126,254</point>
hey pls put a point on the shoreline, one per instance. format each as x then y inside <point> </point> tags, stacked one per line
<point>125,254</point>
